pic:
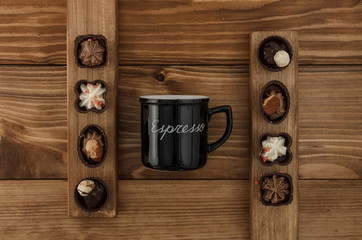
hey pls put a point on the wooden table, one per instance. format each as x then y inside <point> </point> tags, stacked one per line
<point>188,47</point>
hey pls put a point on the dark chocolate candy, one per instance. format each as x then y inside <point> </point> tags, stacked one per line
<point>268,49</point>
<point>97,197</point>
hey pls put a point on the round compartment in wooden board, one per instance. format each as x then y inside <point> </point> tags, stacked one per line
<point>92,146</point>
<point>274,51</point>
<point>264,186</point>
<point>83,88</point>
<point>274,102</point>
<point>95,199</point>
<point>94,55</point>
<point>281,160</point>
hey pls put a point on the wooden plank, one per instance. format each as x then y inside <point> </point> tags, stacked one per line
<point>262,217</point>
<point>33,122</point>
<point>148,210</point>
<point>217,32</point>
<point>175,209</point>
<point>33,32</point>
<point>330,210</point>
<point>188,32</point>
<point>33,142</point>
<point>330,115</point>
<point>98,17</point>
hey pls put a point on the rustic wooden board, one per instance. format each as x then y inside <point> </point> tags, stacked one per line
<point>262,218</point>
<point>33,131</point>
<point>188,32</point>
<point>176,209</point>
<point>98,17</point>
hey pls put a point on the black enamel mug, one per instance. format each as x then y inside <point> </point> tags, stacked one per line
<point>174,131</point>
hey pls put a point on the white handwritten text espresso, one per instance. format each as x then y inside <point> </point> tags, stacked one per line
<point>163,130</point>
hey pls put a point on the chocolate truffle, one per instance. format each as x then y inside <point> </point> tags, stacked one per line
<point>92,194</point>
<point>275,53</point>
<point>92,146</point>
<point>275,189</point>
<point>91,53</point>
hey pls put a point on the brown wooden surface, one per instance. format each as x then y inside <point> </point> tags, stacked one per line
<point>33,131</point>
<point>97,17</point>
<point>210,40</point>
<point>262,218</point>
<point>188,32</point>
<point>175,210</point>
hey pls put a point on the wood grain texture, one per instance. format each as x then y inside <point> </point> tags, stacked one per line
<point>262,218</point>
<point>33,32</point>
<point>217,32</point>
<point>330,117</point>
<point>33,122</point>
<point>330,210</point>
<point>177,209</point>
<point>97,17</point>
<point>33,131</point>
<point>188,32</point>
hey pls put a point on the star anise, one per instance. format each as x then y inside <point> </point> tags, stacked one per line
<point>91,52</point>
<point>275,189</point>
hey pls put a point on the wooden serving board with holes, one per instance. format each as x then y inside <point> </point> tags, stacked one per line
<point>273,222</point>
<point>100,18</point>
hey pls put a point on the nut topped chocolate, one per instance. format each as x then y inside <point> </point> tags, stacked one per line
<point>91,194</point>
<point>275,53</point>
<point>275,189</point>
<point>274,102</point>
<point>93,146</point>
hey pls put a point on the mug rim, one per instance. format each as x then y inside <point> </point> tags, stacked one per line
<point>174,98</point>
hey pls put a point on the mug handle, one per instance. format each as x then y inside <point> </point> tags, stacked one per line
<point>229,125</point>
